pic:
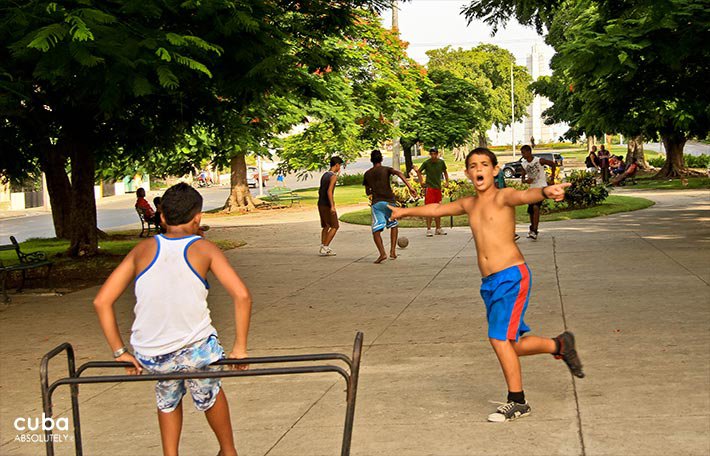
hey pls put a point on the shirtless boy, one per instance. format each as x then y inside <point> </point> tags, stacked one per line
<point>506,277</point>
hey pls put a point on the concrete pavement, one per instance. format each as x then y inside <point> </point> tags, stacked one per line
<point>633,287</point>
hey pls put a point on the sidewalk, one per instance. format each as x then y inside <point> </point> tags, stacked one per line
<point>634,287</point>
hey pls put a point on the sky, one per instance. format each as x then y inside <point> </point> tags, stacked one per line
<point>432,24</point>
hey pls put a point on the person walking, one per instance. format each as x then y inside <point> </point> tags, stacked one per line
<point>534,175</point>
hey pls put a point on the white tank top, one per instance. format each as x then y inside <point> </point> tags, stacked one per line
<point>171,301</point>
<point>536,171</point>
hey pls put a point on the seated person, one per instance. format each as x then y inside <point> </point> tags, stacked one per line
<point>158,210</point>
<point>143,204</point>
<point>618,166</point>
<point>630,171</point>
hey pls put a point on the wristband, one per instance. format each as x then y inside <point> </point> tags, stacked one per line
<point>120,351</point>
<point>543,192</point>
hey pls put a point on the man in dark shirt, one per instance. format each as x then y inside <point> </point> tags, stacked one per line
<point>377,185</point>
<point>326,206</point>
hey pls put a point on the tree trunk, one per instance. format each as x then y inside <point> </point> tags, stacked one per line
<point>482,139</point>
<point>84,232</point>
<point>634,150</point>
<point>591,141</point>
<point>53,163</point>
<point>674,166</point>
<point>240,198</point>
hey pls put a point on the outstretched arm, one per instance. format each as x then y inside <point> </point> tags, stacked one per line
<point>457,207</point>
<point>401,175</point>
<point>512,197</point>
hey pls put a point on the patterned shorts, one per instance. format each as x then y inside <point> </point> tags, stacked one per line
<point>195,357</point>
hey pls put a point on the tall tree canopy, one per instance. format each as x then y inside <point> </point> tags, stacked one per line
<point>487,67</point>
<point>82,80</point>
<point>635,67</point>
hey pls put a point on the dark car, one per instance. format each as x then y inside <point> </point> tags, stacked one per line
<point>515,169</point>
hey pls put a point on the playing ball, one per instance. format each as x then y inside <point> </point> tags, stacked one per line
<point>402,242</point>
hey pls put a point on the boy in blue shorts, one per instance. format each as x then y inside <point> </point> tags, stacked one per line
<point>377,185</point>
<point>172,331</point>
<point>506,277</point>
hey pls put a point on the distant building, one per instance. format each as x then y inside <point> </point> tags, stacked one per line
<point>533,124</point>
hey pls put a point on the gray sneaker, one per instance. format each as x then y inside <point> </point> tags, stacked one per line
<point>568,353</point>
<point>509,412</point>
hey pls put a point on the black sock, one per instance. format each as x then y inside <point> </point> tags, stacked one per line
<point>557,346</point>
<point>518,397</point>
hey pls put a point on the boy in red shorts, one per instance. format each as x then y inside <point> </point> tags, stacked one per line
<point>434,168</point>
<point>506,277</point>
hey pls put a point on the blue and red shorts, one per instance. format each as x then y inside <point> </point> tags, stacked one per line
<point>432,196</point>
<point>506,294</point>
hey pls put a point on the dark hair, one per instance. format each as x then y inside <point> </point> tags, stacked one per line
<point>180,204</point>
<point>376,157</point>
<point>483,151</point>
<point>140,193</point>
<point>156,201</point>
<point>335,161</point>
<point>433,150</point>
<point>526,148</point>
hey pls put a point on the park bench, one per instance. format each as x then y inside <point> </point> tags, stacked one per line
<point>145,221</point>
<point>279,194</point>
<point>27,262</point>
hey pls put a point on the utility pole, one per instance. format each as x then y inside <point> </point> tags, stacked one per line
<point>512,106</point>
<point>396,146</point>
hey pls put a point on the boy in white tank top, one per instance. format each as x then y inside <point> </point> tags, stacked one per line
<point>172,331</point>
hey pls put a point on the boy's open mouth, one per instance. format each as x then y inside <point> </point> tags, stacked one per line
<point>479,178</point>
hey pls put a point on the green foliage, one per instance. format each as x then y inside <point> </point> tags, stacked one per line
<point>584,192</point>
<point>350,179</point>
<point>697,161</point>
<point>487,68</point>
<point>691,161</point>
<point>451,110</point>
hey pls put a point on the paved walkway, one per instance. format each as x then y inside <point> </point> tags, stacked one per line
<point>633,287</point>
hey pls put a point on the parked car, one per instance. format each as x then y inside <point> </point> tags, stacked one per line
<point>515,169</point>
<point>253,176</point>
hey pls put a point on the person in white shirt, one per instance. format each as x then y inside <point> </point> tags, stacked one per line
<point>172,330</point>
<point>534,174</point>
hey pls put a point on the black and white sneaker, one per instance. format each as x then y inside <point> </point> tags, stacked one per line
<point>509,412</point>
<point>568,353</point>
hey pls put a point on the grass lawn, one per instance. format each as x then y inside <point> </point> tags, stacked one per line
<point>612,205</point>
<point>77,273</point>
<point>652,183</point>
<point>345,195</point>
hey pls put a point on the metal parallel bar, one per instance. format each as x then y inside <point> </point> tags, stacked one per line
<point>74,380</point>
<point>47,395</point>
<point>352,395</point>
<point>231,361</point>
<point>205,374</point>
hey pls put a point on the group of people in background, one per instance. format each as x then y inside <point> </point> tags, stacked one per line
<point>612,168</point>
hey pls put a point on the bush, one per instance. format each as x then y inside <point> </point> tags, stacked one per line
<point>584,191</point>
<point>350,179</point>
<point>691,161</point>
<point>697,161</point>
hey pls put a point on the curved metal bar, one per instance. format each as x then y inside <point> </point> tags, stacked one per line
<point>75,379</point>
<point>352,395</point>
<point>204,374</point>
<point>232,361</point>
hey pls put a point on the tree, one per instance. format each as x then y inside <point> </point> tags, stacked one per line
<point>637,67</point>
<point>487,67</point>
<point>357,100</point>
<point>124,76</point>
<point>452,108</point>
